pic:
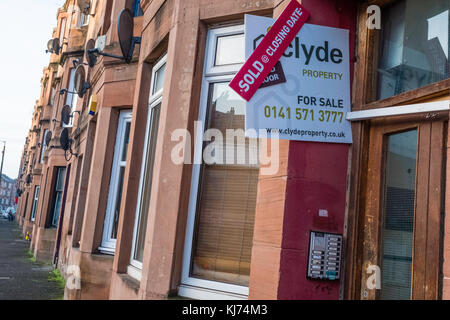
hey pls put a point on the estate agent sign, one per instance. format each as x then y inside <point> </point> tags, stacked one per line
<point>264,57</point>
<point>306,94</point>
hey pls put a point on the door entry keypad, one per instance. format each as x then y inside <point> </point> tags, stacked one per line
<point>324,256</point>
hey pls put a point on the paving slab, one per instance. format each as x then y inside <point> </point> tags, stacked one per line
<point>21,278</point>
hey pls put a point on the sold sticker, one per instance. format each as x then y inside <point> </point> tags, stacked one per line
<point>255,70</point>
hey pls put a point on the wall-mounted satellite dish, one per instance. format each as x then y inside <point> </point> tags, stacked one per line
<point>66,114</point>
<point>91,58</point>
<point>64,139</point>
<point>66,144</point>
<point>77,62</point>
<point>53,46</point>
<point>48,138</point>
<point>125,30</point>
<point>81,86</point>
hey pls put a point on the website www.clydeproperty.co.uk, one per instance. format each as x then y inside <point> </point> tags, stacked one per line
<point>310,133</point>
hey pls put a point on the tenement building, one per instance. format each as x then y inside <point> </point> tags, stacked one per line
<point>7,192</point>
<point>136,183</point>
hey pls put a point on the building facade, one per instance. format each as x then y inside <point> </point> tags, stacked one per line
<point>7,192</point>
<point>126,211</point>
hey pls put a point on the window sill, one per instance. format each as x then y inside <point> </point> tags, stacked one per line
<point>130,282</point>
<point>135,273</point>
<point>108,251</point>
<point>199,293</point>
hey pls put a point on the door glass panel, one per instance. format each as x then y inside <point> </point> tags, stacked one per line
<point>399,199</point>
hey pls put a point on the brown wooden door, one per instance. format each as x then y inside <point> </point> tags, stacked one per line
<point>403,210</point>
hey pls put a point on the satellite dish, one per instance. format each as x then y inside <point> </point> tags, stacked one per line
<point>48,138</point>
<point>125,28</point>
<point>64,139</point>
<point>53,46</point>
<point>81,86</point>
<point>66,144</point>
<point>91,58</point>
<point>66,114</point>
<point>50,45</point>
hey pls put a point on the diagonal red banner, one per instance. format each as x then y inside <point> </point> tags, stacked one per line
<point>268,53</point>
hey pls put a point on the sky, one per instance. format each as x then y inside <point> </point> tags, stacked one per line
<point>25,28</point>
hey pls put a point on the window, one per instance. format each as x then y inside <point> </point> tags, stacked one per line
<point>85,11</point>
<point>399,205</point>
<point>84,19</point>
<point>43,148</point>
<point>137,10</point>
<point>62,31</point>
<point>59,189</point>
<point>71,97</point>
<point>116,183</point>
<point>414,46</point>
<point>52,96</point>
<point>222,205</point>
<point>140,225</point>
<point>35,201</point>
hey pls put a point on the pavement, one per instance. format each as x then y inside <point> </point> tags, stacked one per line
<point>21,277</point>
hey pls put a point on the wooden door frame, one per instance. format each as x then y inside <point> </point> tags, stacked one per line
<point>363,99</point>
<point>428,204</point>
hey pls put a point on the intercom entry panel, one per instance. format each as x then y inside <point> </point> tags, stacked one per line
<point>324,256</point>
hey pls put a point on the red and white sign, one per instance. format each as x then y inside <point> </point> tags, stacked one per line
<point>255,70</point>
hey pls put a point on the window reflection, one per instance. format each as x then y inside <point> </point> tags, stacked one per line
<point>230,50</point>
<point>227,200</point>
<point>414,47</point>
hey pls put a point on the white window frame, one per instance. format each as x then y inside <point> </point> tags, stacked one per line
<point>35,201</point>
<point>84,19</point>
<point>213,35</point>
<point>43,147</point>
<point>108,245</point>
<point>71,97</point>
<point>195,287</point>
<point>58,194</point>
<point>62,30</point>
<point>135,267</point>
